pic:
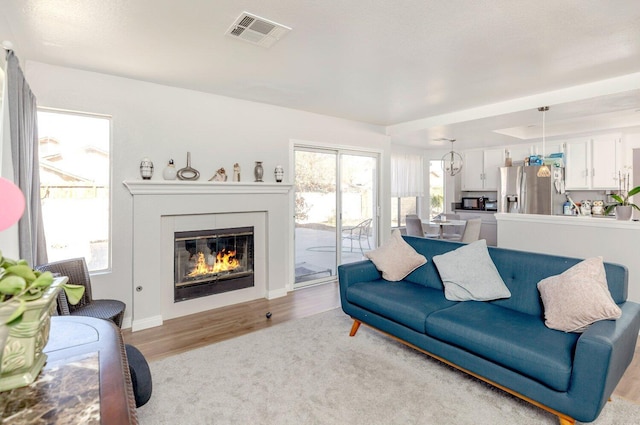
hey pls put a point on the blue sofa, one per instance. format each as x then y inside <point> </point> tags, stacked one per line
<point>503,342</point>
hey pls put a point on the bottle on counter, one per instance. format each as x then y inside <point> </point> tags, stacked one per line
<point>567,208</point>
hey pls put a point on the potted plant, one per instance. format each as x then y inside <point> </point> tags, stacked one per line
<point>27,300</point>
<point>623,206</point>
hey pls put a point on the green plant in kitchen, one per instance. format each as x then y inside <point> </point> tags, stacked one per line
<point>624,193</point>
<point>20,284</point>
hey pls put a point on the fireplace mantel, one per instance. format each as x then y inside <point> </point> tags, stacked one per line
<point>184,187</point>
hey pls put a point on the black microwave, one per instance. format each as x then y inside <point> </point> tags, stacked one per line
<point>473,203</point>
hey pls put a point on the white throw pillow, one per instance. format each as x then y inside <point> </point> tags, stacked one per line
<point>395,258</point>
<point>576,298</point>
<point>468,274</point>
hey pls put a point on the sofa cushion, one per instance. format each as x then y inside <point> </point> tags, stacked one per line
<point>576,298</point>
<point>403,302</point>
<point>395,258</point>
<point>468,273</point>
<point>518,341</point>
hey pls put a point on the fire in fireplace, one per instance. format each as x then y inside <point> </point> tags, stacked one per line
<point>210,262</point>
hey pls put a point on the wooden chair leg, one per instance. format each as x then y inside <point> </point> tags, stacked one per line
<point>566,421</point>
<point>354,327</point>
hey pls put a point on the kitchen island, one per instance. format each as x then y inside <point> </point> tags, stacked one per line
<point>575,236</point>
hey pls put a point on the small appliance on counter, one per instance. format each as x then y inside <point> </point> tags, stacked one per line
<point>476,203</point>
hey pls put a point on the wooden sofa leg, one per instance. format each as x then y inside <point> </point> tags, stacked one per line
<point>566,421</point>
<point>356,326</point>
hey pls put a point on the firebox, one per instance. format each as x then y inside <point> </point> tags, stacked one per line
<point>208,262</point>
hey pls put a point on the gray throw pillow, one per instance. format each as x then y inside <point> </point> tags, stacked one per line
<point>578,297</point>
<point>468,274</point>
<point>395,258</point>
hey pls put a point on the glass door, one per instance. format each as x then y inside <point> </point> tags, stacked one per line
<point>315,215</point>
<point>358,206</point>
<point>331,229</point>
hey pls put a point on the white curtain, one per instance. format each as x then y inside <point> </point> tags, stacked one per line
<point>407,175</point>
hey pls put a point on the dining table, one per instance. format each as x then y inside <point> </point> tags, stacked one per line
<point>443,224</point>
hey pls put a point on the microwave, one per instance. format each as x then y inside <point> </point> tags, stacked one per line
<point>473,203</point>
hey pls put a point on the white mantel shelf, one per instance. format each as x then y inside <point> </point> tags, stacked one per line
<point>183,187</point>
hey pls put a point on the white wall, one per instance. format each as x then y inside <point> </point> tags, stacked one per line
<point>163,122</point>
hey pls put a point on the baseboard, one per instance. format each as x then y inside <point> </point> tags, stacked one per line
<point>276,293</point>
<point>150,322</point>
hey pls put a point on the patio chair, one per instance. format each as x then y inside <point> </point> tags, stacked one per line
<point>78,274</point>
<point>359,233</point>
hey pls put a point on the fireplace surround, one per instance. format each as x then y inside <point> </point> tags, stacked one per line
<point>162,208</point>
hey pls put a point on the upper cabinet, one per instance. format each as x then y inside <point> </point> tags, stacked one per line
<point>592,163</point>
<point>480,169</point>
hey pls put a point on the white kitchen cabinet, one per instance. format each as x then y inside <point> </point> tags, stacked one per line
<point>480,169</point>
<point>592,163</point>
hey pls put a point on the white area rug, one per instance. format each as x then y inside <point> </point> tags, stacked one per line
<point>310,371</point>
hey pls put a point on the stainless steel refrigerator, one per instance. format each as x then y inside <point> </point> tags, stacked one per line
<point>523,191</point>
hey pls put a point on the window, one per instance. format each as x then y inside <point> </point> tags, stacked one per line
<point>407,187</point>
<point>400,207</point>
<point>74,186</point>
<point>436,188</point>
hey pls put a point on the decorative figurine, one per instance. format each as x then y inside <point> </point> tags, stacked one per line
<point>188,173</point>
<point>219,176</point>
<point>585,207</point>
<point>279,172</point>
<point>258,171</point>
<point>236,172</point>
<point>170,172</point>
<point>146,169</point>
<point>597,208</point>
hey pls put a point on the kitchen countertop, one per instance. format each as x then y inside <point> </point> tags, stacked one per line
<point>571,220</point>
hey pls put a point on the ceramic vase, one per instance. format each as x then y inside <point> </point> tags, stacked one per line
<point>22,353</point>
<point>170,172</point>
<point>624,212</point>
<point>146,169</point>
<point>279,173</point>
<point>258,171</point>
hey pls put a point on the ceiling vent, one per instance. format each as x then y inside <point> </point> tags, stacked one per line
<point>256,30</point>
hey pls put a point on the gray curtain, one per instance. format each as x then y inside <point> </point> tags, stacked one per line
<point>23,126</point>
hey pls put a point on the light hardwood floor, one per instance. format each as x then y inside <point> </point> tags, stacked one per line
<point>197,330</point>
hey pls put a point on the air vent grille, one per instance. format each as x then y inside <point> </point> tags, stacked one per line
<point>256,30</point>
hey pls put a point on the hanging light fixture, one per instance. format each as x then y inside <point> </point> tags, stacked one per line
<point>451,161</point>
<point>543,171</point>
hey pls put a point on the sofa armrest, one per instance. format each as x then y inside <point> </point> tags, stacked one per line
<point>360,271</point>
<point>603,353</point>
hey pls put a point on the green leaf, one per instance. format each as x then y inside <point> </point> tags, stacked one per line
<point>43,281</point>
<point>12,285</point>
<point>634,191</point>
<point>22,271</point>
<point>74,293</point>
<point>16,316</point>
<point>617,198</point>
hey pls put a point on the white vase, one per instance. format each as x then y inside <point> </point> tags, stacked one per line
<point>624,212</point>
<point>170,172</point>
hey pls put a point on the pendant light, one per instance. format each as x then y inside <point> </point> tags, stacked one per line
<point>452,161</point>
<point>543,171</point>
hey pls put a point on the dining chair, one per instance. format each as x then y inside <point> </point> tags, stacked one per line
<point>76,270</point>
<point>472,230</point>
<point>414,225</point>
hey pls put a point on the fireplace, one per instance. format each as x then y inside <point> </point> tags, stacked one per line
<point>208,262</point>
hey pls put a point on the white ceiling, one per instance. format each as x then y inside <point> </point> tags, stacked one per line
<point>409,65</point>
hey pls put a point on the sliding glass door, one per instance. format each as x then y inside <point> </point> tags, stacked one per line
<point>336,206</point>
